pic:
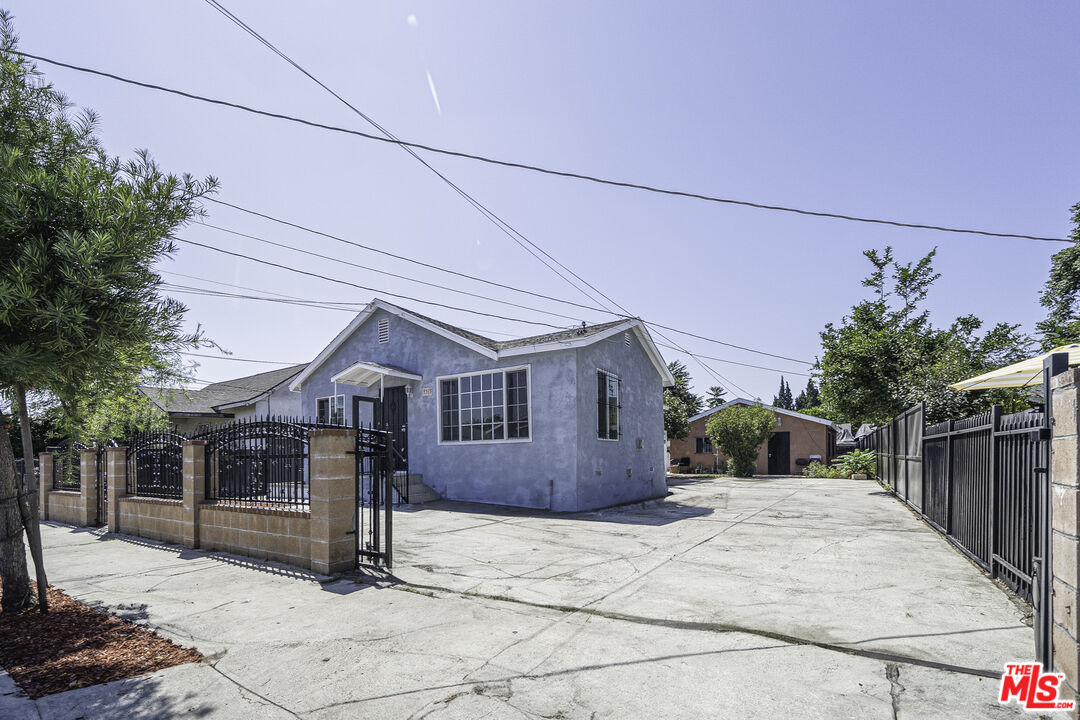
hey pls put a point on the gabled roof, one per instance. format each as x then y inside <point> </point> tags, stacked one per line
<point>494,349</point>
<point>215,397</point>
<point>744,401</point>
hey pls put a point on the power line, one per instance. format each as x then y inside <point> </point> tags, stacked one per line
<point>501,224</point>
<point>236,359</point>
<point>321,304</point>
<point>368,289</point>
<point>537,168</point>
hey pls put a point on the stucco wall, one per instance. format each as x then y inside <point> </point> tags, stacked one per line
<point>630,468</point>
<point>806,438</point>
<point>538,473</point>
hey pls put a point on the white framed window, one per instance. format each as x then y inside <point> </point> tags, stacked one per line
<point>491,406</point>
<point>330,410</point>
<point>607,405</point>
<point>703,446</point>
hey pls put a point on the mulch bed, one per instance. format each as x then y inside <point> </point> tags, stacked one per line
<point>74,646</point>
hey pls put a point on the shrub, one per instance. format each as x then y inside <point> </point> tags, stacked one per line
<point>738,432</point>
<point>856,462</point>
<point>818,469</point>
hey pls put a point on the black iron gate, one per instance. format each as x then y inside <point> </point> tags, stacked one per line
<point>102,515</point>
<point>374,519</point>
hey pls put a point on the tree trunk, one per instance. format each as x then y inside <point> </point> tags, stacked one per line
<point>29,510</point>
<point>14,580</point>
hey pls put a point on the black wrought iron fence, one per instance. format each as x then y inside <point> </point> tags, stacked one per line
<point>974,480</point>
<point>258,462</point>
<point>67,469</point>
<point>155,465</point>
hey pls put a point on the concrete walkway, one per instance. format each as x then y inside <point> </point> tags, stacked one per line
<point>770,598</point>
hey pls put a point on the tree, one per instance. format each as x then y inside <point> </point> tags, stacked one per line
<point>1061,294</point>
<point>79,301</point>
<point>738,431</point>
<point>808,398</point>
<point>886,355</point>
<point>783,400</point>
<point>715,397</point>
<point>680,403</point>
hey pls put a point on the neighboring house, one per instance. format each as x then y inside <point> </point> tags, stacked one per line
<point>797,440</point>
<point>570,420</point>
<point>258,395</point>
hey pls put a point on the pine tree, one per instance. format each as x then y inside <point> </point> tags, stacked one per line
<point>714,397</point>
<point>808,398</point>
<point>784,400</point>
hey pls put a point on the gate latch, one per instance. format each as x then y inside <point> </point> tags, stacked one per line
<point>1039,435</point>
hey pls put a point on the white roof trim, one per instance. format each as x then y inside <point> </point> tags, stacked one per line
<point>362,317</point>
<point>241,403</point>
<point>744,401</point>
<point>636,325</point>
<point>373,371</point>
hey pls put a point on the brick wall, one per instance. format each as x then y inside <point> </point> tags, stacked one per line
<point>64,506</point>
<point>281,535</point>
<point>154,518</point>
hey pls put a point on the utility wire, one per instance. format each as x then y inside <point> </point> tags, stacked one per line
<point>504,226</point>
<point>368,289</point>
<point>537,168</point>
<point>236,359</point>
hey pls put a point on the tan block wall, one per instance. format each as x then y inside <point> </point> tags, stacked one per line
<point>65,506</point>
<point>153,518</point>
<point>284,536</point>
<point>805,438</point>
<point>1065,498</point>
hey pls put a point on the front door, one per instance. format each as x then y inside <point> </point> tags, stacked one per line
<point>395,418</point>
<point>780,453</point>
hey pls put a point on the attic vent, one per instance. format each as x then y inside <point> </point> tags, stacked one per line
<point>384,331</point>
<point>626,339</point>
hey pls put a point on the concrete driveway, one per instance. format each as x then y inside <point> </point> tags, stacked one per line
<point>765,598</point>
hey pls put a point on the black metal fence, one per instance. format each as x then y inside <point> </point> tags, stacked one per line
<point>974,480</point>
<point>258,462</point>
<point>67,470</point>
<point>155,465</point>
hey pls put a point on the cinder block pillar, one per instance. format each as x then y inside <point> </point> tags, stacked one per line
<point>45,473</point>
<point>88,488</point>
<point>194,489</point>
<point>1065,511</point>
<point>333,500</point>
<point>117,461</point>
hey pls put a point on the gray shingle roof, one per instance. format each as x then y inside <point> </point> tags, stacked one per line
<point>228,392</point>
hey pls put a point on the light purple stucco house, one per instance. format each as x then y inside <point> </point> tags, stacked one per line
<point>571,420</point>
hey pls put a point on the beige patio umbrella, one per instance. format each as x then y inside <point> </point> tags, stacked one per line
<point>1022,374</point>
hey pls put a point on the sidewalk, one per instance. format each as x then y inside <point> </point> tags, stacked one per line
<point>282,643</point>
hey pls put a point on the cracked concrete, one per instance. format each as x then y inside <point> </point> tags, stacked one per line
<point>749,599</point>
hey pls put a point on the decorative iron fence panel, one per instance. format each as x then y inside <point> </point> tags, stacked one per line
<point>155,465</point>
<point>258,462</point>
<point>67,470</point>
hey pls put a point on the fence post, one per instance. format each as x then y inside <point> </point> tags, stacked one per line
<point>116,459</point>
<point>948,478</point>
<point>1065,524</point>
<point>88,488</point>
<point>332,499</point>
<point>995,487</point>
<point>194,489</point>
<point>45,479</point>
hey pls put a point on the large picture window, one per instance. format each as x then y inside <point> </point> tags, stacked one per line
<point>330,410</point>
<point>607,405</point>
<point>490,406</point>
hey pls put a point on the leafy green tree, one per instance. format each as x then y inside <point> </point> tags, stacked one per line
<point>886,355</point>
<point>680,402</point>
<point>79,301</point>
<point>808,398</point>
<point>738,432</point>
<point>783,399</point>
<point>715,397</point>
<point>1061,294</point>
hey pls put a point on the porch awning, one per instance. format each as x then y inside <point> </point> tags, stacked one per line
<point>1022,374</point>
<point>368,374</point>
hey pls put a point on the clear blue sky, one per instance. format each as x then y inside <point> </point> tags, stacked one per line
<point>960,113</point>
